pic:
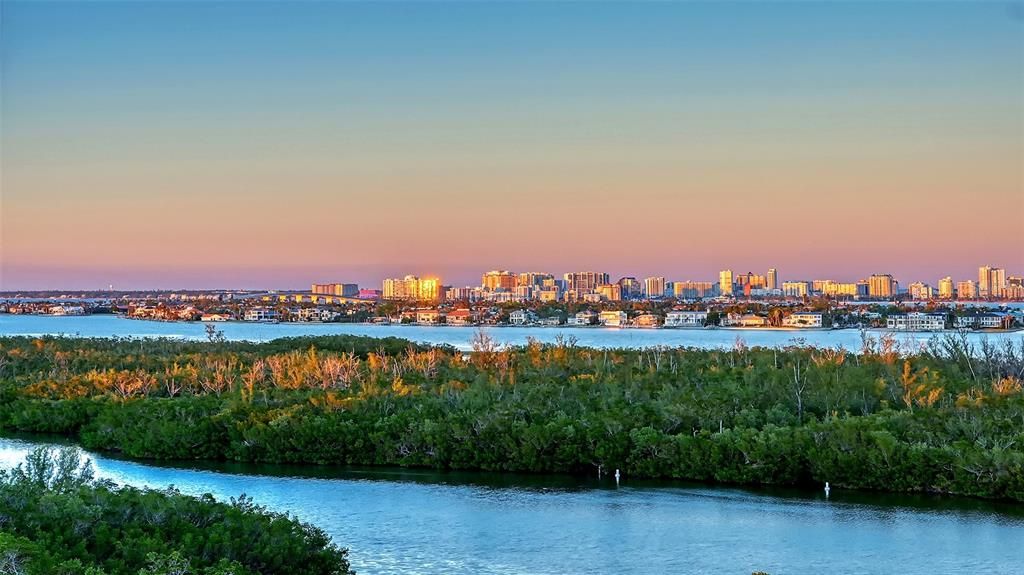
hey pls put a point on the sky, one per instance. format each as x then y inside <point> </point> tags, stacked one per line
<point>182,144</point>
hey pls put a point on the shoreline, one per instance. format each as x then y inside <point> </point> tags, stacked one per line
<point>509,479</point>
<point>738,329</point>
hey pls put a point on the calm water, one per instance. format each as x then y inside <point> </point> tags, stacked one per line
<point>460,337</point>
<point>428,522</point>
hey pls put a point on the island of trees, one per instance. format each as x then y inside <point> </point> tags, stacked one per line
<point>944,418</point>
<point>59,520</point>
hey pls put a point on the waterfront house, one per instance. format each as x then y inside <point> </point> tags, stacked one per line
<point>583,318</point>
<point>806,319</point>
<point>686,318</point>
<point>984,321</point>
<point>744,320</point>
<point>460,316</point>
<point>647,320</point>
<point>427,316</point>
<point>916,321</point>
<point>522,317</point>
<point>315,314</point>
<point>216,317</point>
<point>612,318</point>
<point>263,314</point>
<point>66,310</point>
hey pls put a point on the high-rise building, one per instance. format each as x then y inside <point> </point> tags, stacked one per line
<point>1015,288</point>
<point>725,283</point>
<point>610,292</point>
<point>337,289</point>
<point>966,290</point>
<point>498,280</point>
<point>462,294</point>
<point>631,288</point>
<point>919,290</point>
<point>946,288</point>
<point>536,279</point>
<point>581,283</point>
<point>991,282</point>
<point>882,286</point>
<point>750,279</point>
<point>838,290</point>
<point>796,289</point>
<point>412,288</point>
<point>654,287</point>
<point>694,290</point>
<point>773,279</point>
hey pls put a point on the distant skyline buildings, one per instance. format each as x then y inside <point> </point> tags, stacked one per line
<point>504,286</point>
<point>541,284</point>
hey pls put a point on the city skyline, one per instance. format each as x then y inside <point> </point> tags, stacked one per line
<point>498,279</point>
<point>194,145</point>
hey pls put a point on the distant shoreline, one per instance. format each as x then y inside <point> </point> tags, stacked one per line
<point>736,329</point>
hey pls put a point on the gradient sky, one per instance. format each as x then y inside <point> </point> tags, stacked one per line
<point>193,144</point>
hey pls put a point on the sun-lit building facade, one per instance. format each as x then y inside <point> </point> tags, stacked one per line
<point>882,286</point>
<point>725,282</point>
<point>340,289</point>
<point>495,280</point>
<point>412,288</point>
<point>610,292</point>
<point>946,288</point>
<point>535,279</point>
<point>694,290</point>
<point>796,288</point>
<point>919,290</point>
<point>581,283</point>
<point>654,286</point>
<point>991,282</point>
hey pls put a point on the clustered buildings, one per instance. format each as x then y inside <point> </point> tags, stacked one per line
<point>590,298</point>
<point>502,286</point>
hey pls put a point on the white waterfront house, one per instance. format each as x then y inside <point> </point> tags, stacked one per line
<point>686,318</point>
<point>583,318</point>
<point>981,321</point>
<point>916,321</point>
<point>66,310</point>
<point>315,314</point>
<point>261,314</point>
<point>521,317</point>
<point>803,319</point>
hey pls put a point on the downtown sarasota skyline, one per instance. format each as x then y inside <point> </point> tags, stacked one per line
<point>230,145</point>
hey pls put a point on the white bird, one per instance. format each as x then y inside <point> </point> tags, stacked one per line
<point>827,489</point>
